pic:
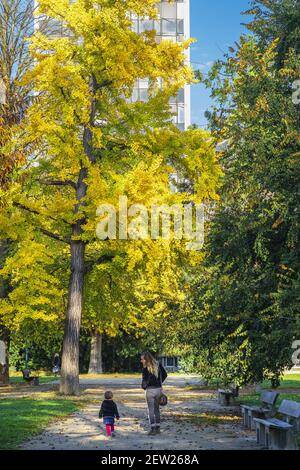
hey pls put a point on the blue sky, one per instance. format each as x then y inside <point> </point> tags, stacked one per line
<point>216,24</point>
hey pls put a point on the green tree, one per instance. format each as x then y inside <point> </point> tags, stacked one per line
<point>277,19</point>
<point>244,303</point>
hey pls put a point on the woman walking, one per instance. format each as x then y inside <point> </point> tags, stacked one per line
<point>153,377</point>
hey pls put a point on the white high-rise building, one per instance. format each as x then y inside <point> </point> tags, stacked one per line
<point>173,25</point>
<point>2,92</point>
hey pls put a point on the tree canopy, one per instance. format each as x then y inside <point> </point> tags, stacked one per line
<point>244,301</point>
<point>87,143</point>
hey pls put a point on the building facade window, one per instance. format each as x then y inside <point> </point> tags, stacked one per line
<point>172,25</point>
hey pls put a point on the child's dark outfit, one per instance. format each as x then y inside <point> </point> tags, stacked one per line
<point>109,411</point>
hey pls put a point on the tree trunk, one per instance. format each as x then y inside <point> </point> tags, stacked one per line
<point>95,366</point>
<point>4,332</point>
<point>69,382</point>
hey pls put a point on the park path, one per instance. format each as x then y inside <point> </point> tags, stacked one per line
<point>84,431</point>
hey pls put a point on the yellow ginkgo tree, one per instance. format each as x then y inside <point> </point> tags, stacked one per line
<point>89,144</point>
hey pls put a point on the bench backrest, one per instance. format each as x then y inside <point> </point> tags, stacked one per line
<point>269,398</point>
<point>290,408</point>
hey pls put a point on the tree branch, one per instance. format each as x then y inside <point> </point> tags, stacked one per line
<point>21,206</point>
<point>59,183</point>
<point>33,211</point>
<point>59,238</point>
<point>103,259</point>
<point>44,231</point>
<point>103,84</point>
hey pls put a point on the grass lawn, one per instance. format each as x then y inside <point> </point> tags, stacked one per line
<point>288,381</point>
<point>18,379</point>
<point>254,399</point>
<point>21,418</point>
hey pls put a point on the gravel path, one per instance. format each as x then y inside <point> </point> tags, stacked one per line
<point>84,431</point>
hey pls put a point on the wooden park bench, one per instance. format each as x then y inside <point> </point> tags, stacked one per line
<point>265,410</point>
<point>227,397</point>
<point>277,434</point>
<point>28,378</point>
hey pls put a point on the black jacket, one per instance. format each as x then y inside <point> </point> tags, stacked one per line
<point>109,409</point>
<point>151,381</point>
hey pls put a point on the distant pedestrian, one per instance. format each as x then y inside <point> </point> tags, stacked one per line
<point>109,411</point>
<point>154,375</point>
<point>56,365</point>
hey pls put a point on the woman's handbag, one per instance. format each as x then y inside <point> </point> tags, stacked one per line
<point>163,400</point>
